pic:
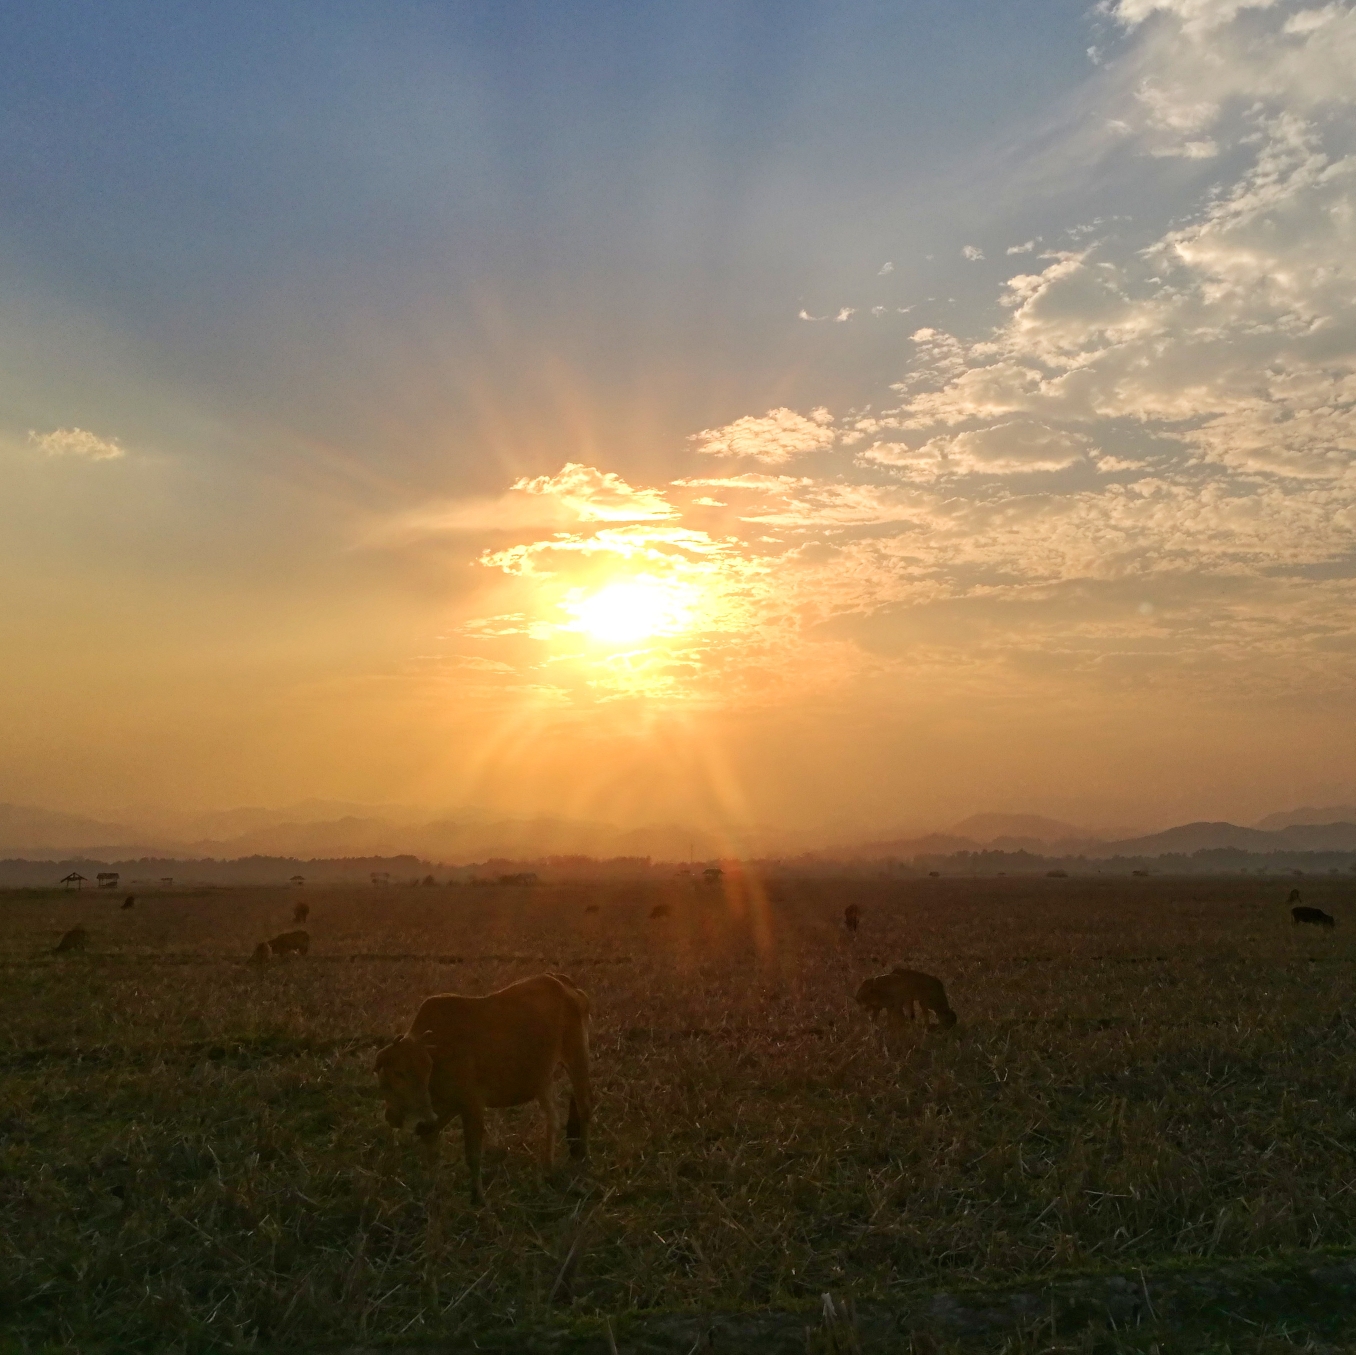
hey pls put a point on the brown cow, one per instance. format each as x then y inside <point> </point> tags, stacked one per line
<point>261,953</point>
<point>897,991</point>
<point>289,942</point>
<point>462,1055</point>
<point>301,912</point>
<point>129,901</point>
<point>74,939</point>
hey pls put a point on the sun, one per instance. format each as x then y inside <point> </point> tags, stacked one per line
<point>623,613</point>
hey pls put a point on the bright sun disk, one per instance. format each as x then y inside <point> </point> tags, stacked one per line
<point>638,609</point>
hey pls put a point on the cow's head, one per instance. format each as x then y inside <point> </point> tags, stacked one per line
<point>868,995</point>
<point>403,1070</point>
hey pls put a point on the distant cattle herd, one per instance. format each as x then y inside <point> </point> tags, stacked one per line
<point>464,1055</point>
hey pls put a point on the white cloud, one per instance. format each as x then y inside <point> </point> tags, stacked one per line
<point>772,438</point>
<point>1022,249</point>
<point>885,268</point>
<point>1187,150</point>
<point>598,496</point>
<point>575,494</point>
<point>845,314</point>
<point>1196,16</point>
<point>1002,449</point>
<point>77,442</point>
<point>972,252</point>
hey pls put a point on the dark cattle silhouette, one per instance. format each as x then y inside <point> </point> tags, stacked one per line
<point>660,910</point>
<point>260,954</point>
<point>129,901</point>
<point>301,912</point>
<point>1315,915</point>
<point>75,939</point>
<point>852,917</point>
<point>463,1055</point>
<point>1294,896</point>
<point>289,943</point>
<point>896,992</point>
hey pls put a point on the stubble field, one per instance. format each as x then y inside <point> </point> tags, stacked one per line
<point>192,1154</point>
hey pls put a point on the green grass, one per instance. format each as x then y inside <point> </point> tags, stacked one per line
<point>191,1153</point>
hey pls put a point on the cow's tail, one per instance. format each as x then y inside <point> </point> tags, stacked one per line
<point>577,1063</point>
<point>581,1004</point>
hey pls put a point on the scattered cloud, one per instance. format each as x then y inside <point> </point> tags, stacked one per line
<point>1174,417</point>
<point>77,442</point>
<point>1018,447</point>
<point>597,496</point>
<point>1197,17</point>
<point>885,268</point>
<point>575,494</point>
<point>773,438</point>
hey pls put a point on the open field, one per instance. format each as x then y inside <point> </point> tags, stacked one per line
<point>1146,1072</point>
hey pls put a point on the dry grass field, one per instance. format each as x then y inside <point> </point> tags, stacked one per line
<point>1146,1072</point>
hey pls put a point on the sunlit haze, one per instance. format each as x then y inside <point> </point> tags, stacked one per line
<point>832,418</point>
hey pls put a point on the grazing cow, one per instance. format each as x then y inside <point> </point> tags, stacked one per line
<point>1294,896</point>
<point>301,912</point>
<point>260,953</point>
<point>896,992</point>
<point>74,939</point>
<point>660,910</point>
<point>1315,915</point>
<point>462,1055</point>
<point>129,902</point>
<point>290,942</point>
<point>852,917</point>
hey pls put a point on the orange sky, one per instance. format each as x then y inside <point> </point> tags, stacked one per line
<point>815,482</point>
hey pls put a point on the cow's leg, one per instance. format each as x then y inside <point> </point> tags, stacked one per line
<point>547,1102</point>
<point>581,1111</point>
<point>473,1131</point>
<point>581,1097</point>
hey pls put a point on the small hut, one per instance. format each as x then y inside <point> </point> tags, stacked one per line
<point>74,879</point>
<point>107,879</point>
<point>298,880</point>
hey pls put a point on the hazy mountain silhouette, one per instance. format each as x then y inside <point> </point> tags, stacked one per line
<point>1307,816</point>
<point>332,829</point>
<point>30,826</point>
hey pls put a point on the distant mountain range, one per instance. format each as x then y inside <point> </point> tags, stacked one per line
<point>332,829</point>
<point>1308,816</point>
<point>328,829</point>
<point>1182,840</point>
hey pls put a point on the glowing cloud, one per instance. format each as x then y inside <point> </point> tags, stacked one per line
<point>773,438</point>
<point>77,442</point>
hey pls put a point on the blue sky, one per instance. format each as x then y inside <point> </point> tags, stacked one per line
<point>395,399</point>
